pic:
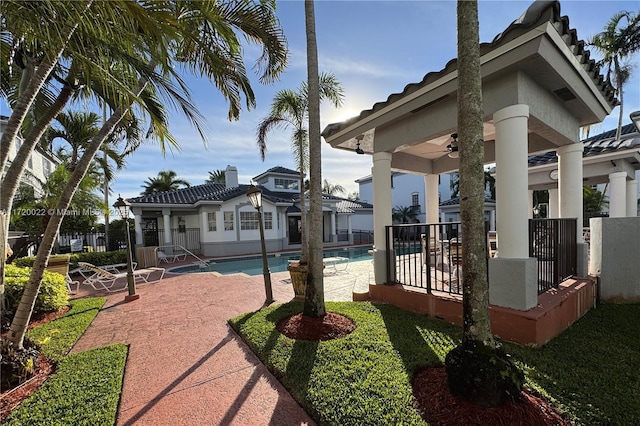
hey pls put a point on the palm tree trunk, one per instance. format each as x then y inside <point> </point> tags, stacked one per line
<point>25,308</point>
<point>475,285</point>
<point>619,83</point>
<point>314,298</point>
<point>304,251</point>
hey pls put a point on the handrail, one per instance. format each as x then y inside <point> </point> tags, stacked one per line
<point>201,262</point>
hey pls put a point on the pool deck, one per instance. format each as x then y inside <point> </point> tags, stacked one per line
<point>185,364</point>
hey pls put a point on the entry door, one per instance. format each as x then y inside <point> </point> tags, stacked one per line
<point>295,236</point>
<point>150,232</point>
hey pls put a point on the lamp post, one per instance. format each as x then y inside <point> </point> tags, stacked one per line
<point>123,208</point>
<point>255,197</point>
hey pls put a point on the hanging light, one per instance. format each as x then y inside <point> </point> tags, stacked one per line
<point>358,149</point>
<point>453,146</point>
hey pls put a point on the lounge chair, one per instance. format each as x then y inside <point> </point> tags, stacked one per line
<point>60,263</point>
<point>105,280</point>
<point>170,258</point>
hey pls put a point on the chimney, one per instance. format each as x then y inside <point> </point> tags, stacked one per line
<point>231,177</point>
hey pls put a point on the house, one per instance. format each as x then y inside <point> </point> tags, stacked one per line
<point>215,219</point>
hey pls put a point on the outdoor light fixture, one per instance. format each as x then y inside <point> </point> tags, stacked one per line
<point>123,208</point>
<point>358,149</point>
<point>635,119</point>
<point>255,198</point>
<point>453,146</point>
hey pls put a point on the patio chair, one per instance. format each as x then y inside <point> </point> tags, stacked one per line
<point>60,263</point>
<point>170,258</point>
<point>105,280</point>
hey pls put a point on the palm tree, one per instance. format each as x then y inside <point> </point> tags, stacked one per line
<point>213,51</point>
<point>616,43</point>
<point>477,352</point>
<point>489,185</point>
<point>167,180</point>
<point>290,109</point>
<point>404,214</point>
<point>332,189</point>
<point>314,297</point>
<point>217,176</point>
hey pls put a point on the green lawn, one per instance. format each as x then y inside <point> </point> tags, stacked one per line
<point>86,387</point>
<point>591,372</point>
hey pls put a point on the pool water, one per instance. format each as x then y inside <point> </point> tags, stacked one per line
<point>277,262</point>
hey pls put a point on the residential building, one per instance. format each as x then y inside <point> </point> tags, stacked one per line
<point>217,219</point>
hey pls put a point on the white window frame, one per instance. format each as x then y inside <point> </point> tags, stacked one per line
<point>268,220</point>
<point>211,222</point>
<point>228,221</point>
<point>249,221</point>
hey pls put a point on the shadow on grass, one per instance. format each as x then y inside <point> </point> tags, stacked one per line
<point>419,340</point>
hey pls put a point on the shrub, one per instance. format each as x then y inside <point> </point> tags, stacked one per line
<point>95,258</point>
<point>53,294</point>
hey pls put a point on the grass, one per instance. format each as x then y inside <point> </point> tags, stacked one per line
<point>590,372</point>
<point>86,387</point>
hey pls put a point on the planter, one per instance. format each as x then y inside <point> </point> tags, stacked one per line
<point>298,275</point>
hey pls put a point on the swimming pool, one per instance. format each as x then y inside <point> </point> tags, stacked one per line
<point>277,262</point>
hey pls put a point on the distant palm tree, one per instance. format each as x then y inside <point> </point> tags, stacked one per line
<point>489,185</point>
<point>616,43</point>
<point>217,176</point>
<point>332,189</point>
<point>404,214</point>
<point>291,108</point>
<point>167,180</point>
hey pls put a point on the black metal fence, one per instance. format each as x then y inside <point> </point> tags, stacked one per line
<point>554,243</point>
<point>362,236</point>
<point>426,256</point>
<point>93,241</point>
<point>429,256</point>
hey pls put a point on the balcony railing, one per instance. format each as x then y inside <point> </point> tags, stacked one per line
<point>554,243</point>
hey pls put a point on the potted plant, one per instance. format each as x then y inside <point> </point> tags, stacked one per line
<point>298,272</point>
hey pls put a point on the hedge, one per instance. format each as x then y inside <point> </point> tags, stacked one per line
<point>53,294</point>
<point>95,258</point>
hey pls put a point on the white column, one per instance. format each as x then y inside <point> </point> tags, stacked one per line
<point>432,198</point>
<point>553,203</point>
<point>381,173</point>
<point>138,228</point>
<point>204,226</point>
<point>617,194</point>
<point>531,206</point>
<point>570,183</point>
<point>632,198</point>
<point>492,220</point>
<point>512,180</point>
<point>166,217</point>
<point>332,217</point>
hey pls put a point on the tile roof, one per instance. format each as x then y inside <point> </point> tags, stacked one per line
<point>280,170</point>
<point>456,201</point>
<point>350,206</point>
<point>539,12</point>
<point>595,145</point>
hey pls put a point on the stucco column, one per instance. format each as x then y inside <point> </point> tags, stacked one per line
<point>570,183</point>
<point>334,236</point>
<point>570,196</point>
<point>432,198</point>
<point>513,277</point>
<point>138,229</point>
<point>512,181</point>
<point>349,229</point>
<point>531,206</point>
<point>492,220</point>
<point>553,203</point>
<point>617,194</point>
<point>632,198</point>
<point>166,220</point>
<point>204,226</point>
<point>381,174</point>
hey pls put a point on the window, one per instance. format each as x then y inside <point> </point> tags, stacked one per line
<point>249,221</point>
<point>30,162</point>
<point>268,220</point>
<point>415,201</point>
<point>228,221</point>
<point>182,227</point>
<point>286,184</point>
<point>46,166</point>
<point>211,220</point>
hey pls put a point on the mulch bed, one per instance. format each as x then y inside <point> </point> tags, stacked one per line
<point>330,326</point>
<point>440,408</point>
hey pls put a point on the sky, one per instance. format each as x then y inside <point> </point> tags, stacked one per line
<point>374,48</point>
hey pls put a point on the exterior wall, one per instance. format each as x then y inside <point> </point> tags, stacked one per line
<point>362,221</point>
<point>403,186</point>
<point>615,250</point>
